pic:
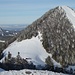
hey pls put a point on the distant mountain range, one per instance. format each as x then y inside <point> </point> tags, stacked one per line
<point>11,27</point>
<point>9,30</point>
<point>4,33</point>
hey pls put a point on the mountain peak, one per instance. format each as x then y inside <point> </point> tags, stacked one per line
<point>70,13</point>
<point>64,6</point>
<point>58,35</point>
<point>60,7</point>
<point>57,28</point>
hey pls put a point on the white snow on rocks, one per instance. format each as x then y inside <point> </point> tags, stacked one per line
<point>30,72</point>
<point>30,48</point>
<point>71,67</point>
<point>70,14</point>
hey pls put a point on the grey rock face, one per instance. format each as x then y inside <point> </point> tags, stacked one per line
<point>58,35</point>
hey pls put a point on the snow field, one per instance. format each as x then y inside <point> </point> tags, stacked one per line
<point>30,72</point>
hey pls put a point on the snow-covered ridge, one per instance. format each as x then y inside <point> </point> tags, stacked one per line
<point>30,48</point>
<point>70,14</point>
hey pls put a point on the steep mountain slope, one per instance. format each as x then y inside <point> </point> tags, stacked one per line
<point>57,29</point>
<point>58,37</point>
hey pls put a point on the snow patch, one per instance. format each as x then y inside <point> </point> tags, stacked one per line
<point>56,64</point>
<point>30,72</point>
<point>2,34</point>
<point>7,31</point>
<point>71,68</point>
<point>2,41</point>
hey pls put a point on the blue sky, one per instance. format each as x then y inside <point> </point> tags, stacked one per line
<point>27,11</point>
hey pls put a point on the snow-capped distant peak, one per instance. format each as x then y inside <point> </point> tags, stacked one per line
<point>70,14</point>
